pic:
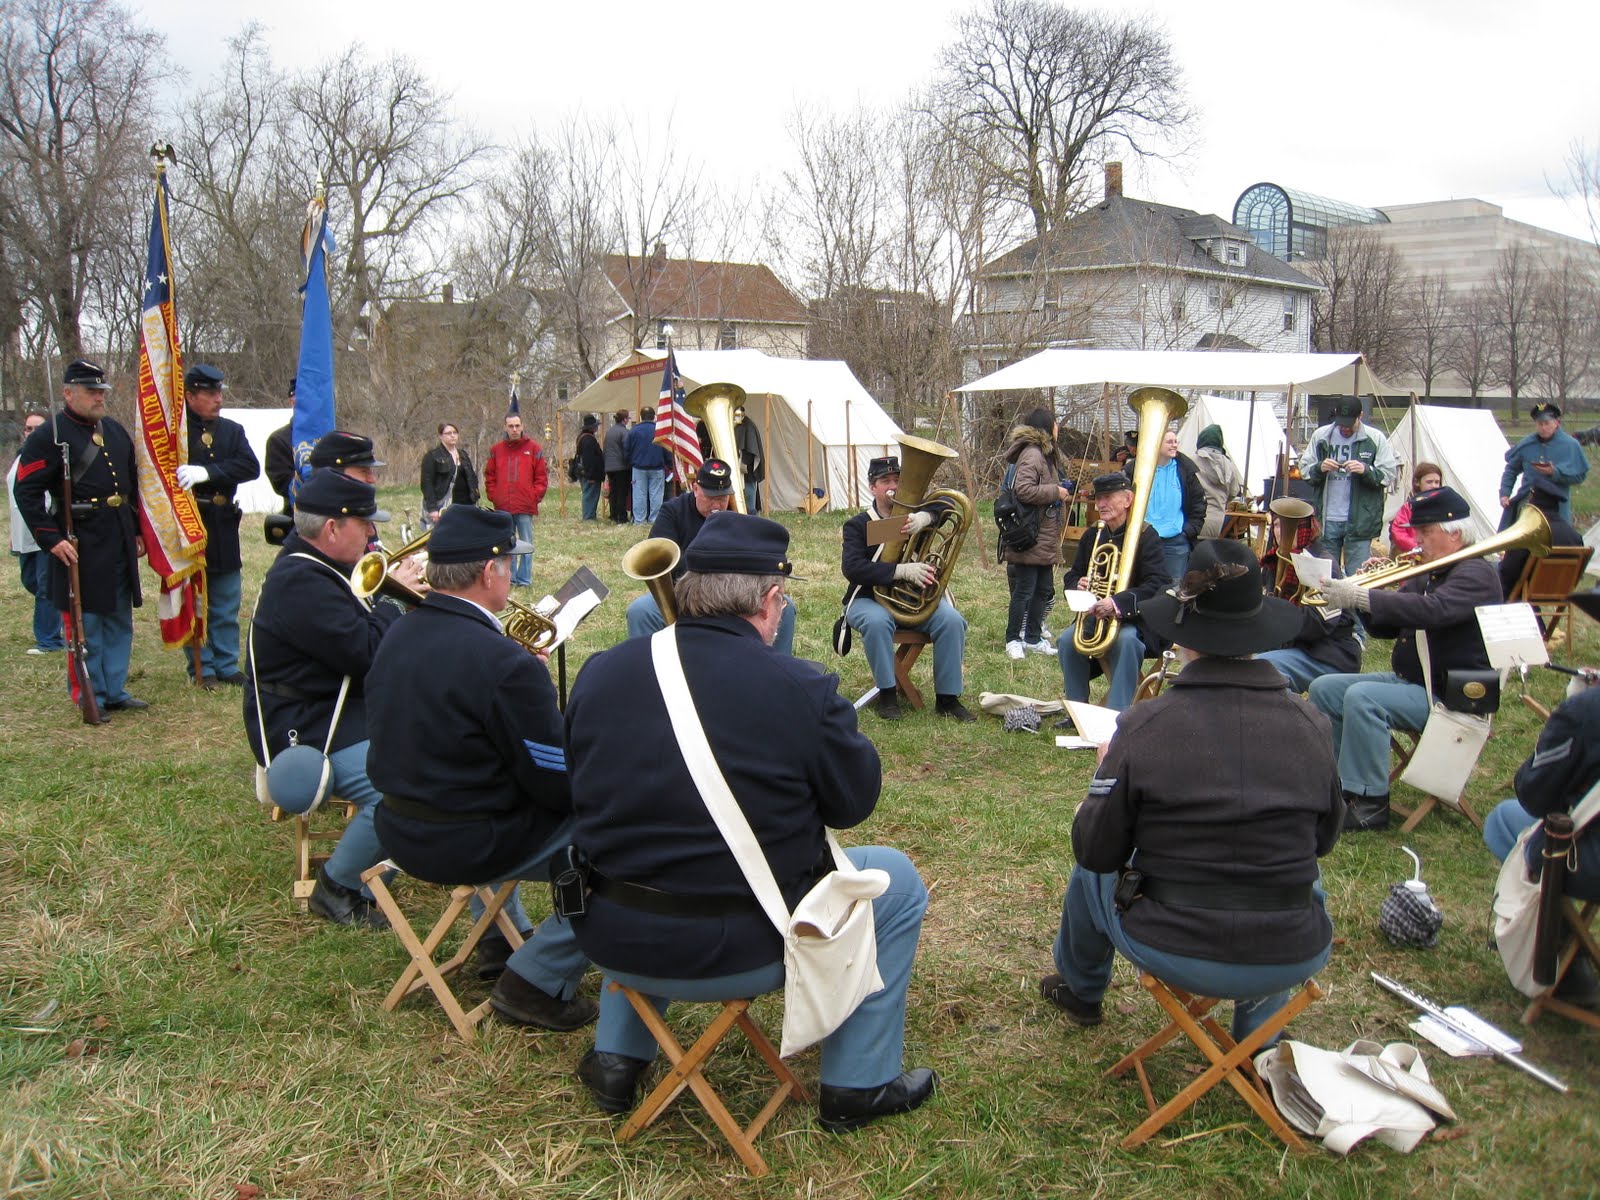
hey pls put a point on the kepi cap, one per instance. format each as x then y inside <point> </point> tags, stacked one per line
<point>1112,481</point>
<point>889,464</point>
<point>731,543</point>
<point>82,373</point>
<point>340,449</point>
<point>1439,505</point>
<point>465,533</point>
<point>329,493</point>
<point>1540,412</point>
<point>715,478</point>
<point>203,377</point>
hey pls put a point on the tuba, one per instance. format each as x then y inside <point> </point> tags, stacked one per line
<point>1530,532</point>
<point>651,562</point>
<point>528,627</point>
<point>1111,566</point>
<point>714,403</point>
<point>938,544</point>
<point>370,576</point>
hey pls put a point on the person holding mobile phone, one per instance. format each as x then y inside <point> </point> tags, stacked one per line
<point>1548,452</point>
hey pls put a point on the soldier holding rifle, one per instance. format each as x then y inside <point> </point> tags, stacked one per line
<point>82,461</point>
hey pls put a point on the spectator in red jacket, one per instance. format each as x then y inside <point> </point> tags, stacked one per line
<point>515,477</point>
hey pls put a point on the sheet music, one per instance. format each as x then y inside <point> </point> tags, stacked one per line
<point>1095,725</point>
<point>567,616</point>
<point>1080,601</point>
<point>1511,635</point>
<point>1312,571</point>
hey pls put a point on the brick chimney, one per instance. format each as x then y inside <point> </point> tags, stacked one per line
<point>1113,179</point>
<point>449,293</point>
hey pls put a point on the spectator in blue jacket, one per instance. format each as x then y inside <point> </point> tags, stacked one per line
<point>648,462</point>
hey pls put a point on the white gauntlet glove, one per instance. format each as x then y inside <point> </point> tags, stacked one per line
<point>1346,594</point>
<point>918,522</point>
<point>189,475</point>
<point>910,572</point>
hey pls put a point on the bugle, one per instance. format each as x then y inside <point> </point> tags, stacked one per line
<point>714,403</point>
<point>652,562</point>
<point>373,573</point>
<point>528,627</point>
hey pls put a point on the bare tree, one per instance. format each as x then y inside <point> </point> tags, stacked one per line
<point>1430,329</point>
<point>1361,305</point>
<point>1568,320</point>
<point>76,82</point>
<point>1512,297</point>
<point>396,163</point>
<point>1046,91</point>
<point>1470,353</point>
<point>1583,173</point>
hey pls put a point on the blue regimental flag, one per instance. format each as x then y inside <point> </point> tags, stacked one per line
<point>513,409</point>
<point>313,387</point>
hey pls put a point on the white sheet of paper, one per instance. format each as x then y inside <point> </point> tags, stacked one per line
<point>1511,635</point>
<point>1071,741</point>
<point>569,614</point>
<point>1313,571</point>
<point>1081,602</point>
<point>1095,725</point>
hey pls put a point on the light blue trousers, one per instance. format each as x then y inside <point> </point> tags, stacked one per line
<point>877,626</point>
<point>867,1050</point>
<point>549,957</point>
<point>1121,665</point>
<point>219,657</point>
<point>108,641</point>
<point>1363,709</point>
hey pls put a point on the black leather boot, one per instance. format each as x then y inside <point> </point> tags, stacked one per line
<point>951,706</point>
<point>612,1079</point>
<point>888,705</point>
<point>516,1000</point>
<point>843,1109</point>
<point>1364,813</point>
<point>343,906</point>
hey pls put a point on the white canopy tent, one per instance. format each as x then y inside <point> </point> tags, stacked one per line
<point>1469,448</point>
<point>1264,441</point>
<point>1227,370</point>
<point>819,427</point>
<point>257,496</point>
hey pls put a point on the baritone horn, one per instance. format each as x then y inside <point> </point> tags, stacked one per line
<point>937,545</point>
<point>1111,565</point>
<point>1530,532</point>
<point>651,562</point>
<point>714,403</point>
<point>372,576</point>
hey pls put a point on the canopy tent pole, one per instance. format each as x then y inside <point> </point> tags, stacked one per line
<point>850,460</point>
<point>1105,418</point>
<point>1249,437</point>
<point>561,483</point>
<point>811,482</point>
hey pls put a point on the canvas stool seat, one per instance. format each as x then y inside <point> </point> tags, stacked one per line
<point>422,972</point>
<point>1228,1060</point>
<point>687,1068</point>
<point>1403,750</point>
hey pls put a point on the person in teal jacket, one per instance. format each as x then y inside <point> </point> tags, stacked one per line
<point>1351,465</point>
<point>1549,451</point>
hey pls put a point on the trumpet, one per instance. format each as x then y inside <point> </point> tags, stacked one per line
<point>652,562</point>
<point>528,627</point>
<point>372,573</point>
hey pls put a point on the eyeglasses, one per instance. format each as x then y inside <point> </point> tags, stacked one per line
<point>783,597</point>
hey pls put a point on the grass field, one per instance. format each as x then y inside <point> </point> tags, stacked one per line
<point>171,1026</point>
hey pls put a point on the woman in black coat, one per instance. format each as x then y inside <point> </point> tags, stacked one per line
<point>448,476</point>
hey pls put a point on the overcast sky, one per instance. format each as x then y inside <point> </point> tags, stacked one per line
<point>1376,102</point>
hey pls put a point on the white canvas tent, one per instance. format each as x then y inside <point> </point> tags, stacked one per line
<point>1225,370</point>
<point>257,496</point>
<point>1264,441</point>
<point>1592,538</point>
<point>818,425</point>
<point>1469,447</point>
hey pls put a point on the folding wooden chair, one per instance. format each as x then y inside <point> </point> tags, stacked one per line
<point>308,858</point>
<point>1403,751</point>
<point>1546,583</point>
<point>1580,924</point>
<point>422,971</point>
<point>1229,1060</point>
<point>687,1072</point>
<point>908,648</point>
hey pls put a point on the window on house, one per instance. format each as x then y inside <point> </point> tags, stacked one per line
<point>728,336</point>
<point>1288,312</point>
<point>1235,254</point>
<point>661,334</point>
<point>561,393</point>
<point>1177,308</point>
<point>1214,294</point>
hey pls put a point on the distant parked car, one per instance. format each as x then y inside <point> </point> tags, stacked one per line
<point>1589,436</point>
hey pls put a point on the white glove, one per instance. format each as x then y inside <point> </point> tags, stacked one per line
<point>912,572</point>
<point>918,522</point>
<point>189,475</point>
<point>1346,594</point>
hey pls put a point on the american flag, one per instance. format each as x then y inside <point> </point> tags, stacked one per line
<point>675,428</point>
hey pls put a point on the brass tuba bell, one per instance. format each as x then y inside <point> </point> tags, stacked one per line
<point>938,544</point>
<point>714,403</point>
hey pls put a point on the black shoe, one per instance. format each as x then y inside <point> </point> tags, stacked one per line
<point>1365,813</point>
<point>494,952</point>
<point>234,680</point>
<point>1080,1012</point>
<point>1580,985</point>
<point>843,1109</point>
<point>888,706</point>
<point>334,902</point>
<point>520,1003</point>
<point>208,683</point>
<point>612,1079</point>
<point>131,704</point>
<point>950,706</point>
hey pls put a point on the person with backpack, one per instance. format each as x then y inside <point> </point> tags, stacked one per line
<point>1033,499</point>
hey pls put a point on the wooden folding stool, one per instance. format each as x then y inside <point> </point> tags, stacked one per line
<point>1580,926</point>
<point>1229,1060</point>
<point>686,1072</point>
<point>422,971</point>
<point>908,648</point>
<point>307,857</point>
